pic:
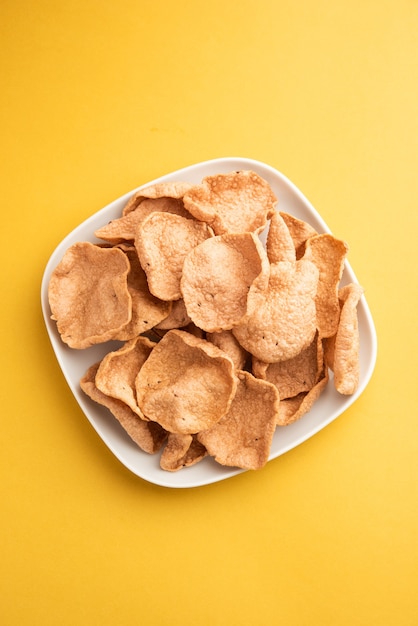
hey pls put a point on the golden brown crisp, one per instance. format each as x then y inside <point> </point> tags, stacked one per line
<point>181,451</point>
<point>149,436</point>
<point>226,341</point>
<point>177,318</point>
<point>328,254</point>
<point>162,243</point>
<point>292,409</point>
<point>147,310</point>
<point>280,246</point>
<point>283,321</point>
<point>175,190</point>
<point>118,370</point>
<point>300,231</point>
<point>124,228</point>
<point>88,294</point>
<point>242,438</point>
<point>295,375</point>
<point>218,277</point>
<point>346,344</point>
<point>186,384</point>
<point>232,203</point>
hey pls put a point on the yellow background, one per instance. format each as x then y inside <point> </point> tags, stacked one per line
<point>98,97</point>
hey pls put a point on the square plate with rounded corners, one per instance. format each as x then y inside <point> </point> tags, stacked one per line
<point>74,363</point>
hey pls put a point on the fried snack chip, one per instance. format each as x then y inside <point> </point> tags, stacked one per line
<point>295,375</point>
<point>292,409</point>
<point>218,277</point>
<point>162,243</point>
<point>328,253</point>
<point>283,321</point>
<point>242,438</point>
<point>118,370</point>
<point>149,436</point>
<point>232,203</point>
<point>147,310</point>
<point>175,190</point>
<point>186,384</point>
<point>120,229</point>
<point>88,294</point>
<point>280,246</point>
<point>225,340</point>
<point>299,230</point>
<point>177,318</point>
<point>342,350</point>
<point>124,228</point>
<point>181,451</point>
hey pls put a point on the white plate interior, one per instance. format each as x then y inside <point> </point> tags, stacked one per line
<point>74,363</point>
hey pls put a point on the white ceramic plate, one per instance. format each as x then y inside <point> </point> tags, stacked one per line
<point>74,363</point>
